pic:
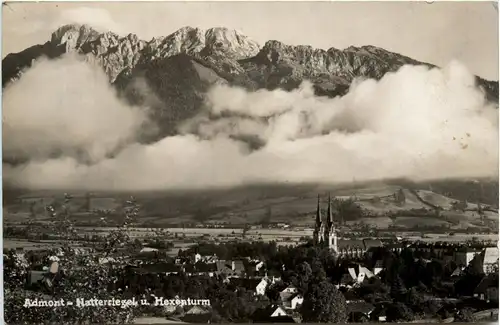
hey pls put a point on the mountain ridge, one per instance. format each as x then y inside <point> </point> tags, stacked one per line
<point>215,42</point>
<point>215,55</point>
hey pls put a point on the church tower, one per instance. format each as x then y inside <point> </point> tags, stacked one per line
<point>331,231</point>
<point>329,218</point>
<point>317,235</point>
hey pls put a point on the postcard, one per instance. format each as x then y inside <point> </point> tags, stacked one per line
<point>250,162</point>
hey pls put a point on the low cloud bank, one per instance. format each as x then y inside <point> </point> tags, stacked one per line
<point>66,106</point>
<point>415,123</point>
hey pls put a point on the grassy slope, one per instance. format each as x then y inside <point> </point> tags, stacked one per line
<point>251,205</point>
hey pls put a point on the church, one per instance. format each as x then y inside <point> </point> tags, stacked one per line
<point>325,235</point>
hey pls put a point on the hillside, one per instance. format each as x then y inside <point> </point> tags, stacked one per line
<point>380,203</point>
<point>180,67</point>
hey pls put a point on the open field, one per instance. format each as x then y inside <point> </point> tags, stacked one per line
<point>282,237</point>
<point>293,235</point>
<point>33,245</point>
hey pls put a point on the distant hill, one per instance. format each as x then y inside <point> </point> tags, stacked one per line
<point>272,203</point>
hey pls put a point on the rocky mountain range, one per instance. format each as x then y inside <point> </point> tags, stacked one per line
<point>179,68</point>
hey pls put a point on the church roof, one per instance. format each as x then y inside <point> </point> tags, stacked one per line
<point>350,244</point>
<point>371,243</point>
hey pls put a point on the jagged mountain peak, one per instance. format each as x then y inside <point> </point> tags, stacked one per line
<point>212,41</point>
<point>74,33</point>
<point>226,52</point>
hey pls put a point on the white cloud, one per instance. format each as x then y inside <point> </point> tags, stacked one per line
<point>415,123</point>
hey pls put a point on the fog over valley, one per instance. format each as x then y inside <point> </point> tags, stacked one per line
<point>79,133</point>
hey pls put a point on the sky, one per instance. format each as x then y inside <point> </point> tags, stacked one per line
<point>437,32</point>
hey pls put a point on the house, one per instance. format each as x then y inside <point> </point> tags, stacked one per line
<point>371,246</point>
<point>379,313</point>
<point>254,266</point>
<point>200,268</point>
<point>395,247</point>
<point>464,256</point>
<point>346,281</point>
<point>36,277</point>
<point>273,275</point>
<point>359,311</point>
<point>45,278</point>
<point>457,273</point>
<point>290,289</point>
<point>206,268</point>
<point>182,260</point>
<point>171,309</point>
<point>238,267</point>
<point>197,314</point>
<point>447,257</point>
<point>290,298</point>
<point>490,260</point>
<point>360,273</point>
<point>258,286</point>
<point>260,289</point>
<point>230,268</point>
<point>206,258</point>
<point>487,289</point>
<point>148,250</point>
<point>378,267</point>
<point>293,301</point>
<point>272,314</point>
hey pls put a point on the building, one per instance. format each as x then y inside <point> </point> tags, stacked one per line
<point>359,274</point>
<point>378,267</point>
<point>200,268</point>
<point>359,311</point>
<point>273,314</point>
<point>293,303</point>
<point>290,298</point>
<point>325,234</point>
<point>487,289</point>
<point>230,268</point>
<point>258,286</point>
<point>206,259</point>
<point>464,256</point>
<point>197,314</point>
<point>379,313</point>
<point>490,260</point>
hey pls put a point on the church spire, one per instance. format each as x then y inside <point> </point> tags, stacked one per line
<point>318,214</point>
<point>329,220</point>
<point>317,235</point>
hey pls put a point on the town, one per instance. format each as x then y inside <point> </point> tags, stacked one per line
<point>326,277</point>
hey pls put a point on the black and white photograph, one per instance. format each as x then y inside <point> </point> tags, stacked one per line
<point>175,162</point>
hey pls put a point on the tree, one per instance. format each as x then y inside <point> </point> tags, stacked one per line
<point>324,303</point>
<point>398,289</point>
<point>415,299</point>
<point>399,312</point>
<point>304,274</point>
<point>347,209</point>
<point>84,277</point>
<point>465,315</point>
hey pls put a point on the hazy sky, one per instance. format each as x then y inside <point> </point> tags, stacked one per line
<point>435,33</point>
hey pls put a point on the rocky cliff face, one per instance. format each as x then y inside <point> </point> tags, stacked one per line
<point>180,67</point>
